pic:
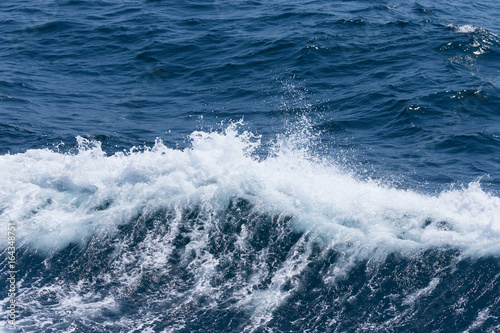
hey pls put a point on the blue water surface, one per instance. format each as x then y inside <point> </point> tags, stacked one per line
<point>411,85</point>
<point>404,92</point>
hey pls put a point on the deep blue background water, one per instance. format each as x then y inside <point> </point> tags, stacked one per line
<point>403,91</point>
<point>397,81</point>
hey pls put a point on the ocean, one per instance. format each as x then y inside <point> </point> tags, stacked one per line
<point>250,166</point>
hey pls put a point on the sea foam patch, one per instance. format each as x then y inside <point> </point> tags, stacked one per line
<point>57,199</point>
<point>466,28</point>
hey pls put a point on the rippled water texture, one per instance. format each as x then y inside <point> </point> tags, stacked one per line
<point>251,166</point>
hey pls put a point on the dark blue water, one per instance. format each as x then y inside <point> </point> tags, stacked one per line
<point>251,166</point>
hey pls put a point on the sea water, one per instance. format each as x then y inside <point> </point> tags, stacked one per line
<point>250,166</point>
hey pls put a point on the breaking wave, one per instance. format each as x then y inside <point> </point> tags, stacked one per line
<point>216,232</point>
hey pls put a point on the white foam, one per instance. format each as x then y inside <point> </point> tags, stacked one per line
<point>465,29</point>
<point>410,299</point>
<point>263,302</point>
<point>482,316</point>
<point>54,198</point>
